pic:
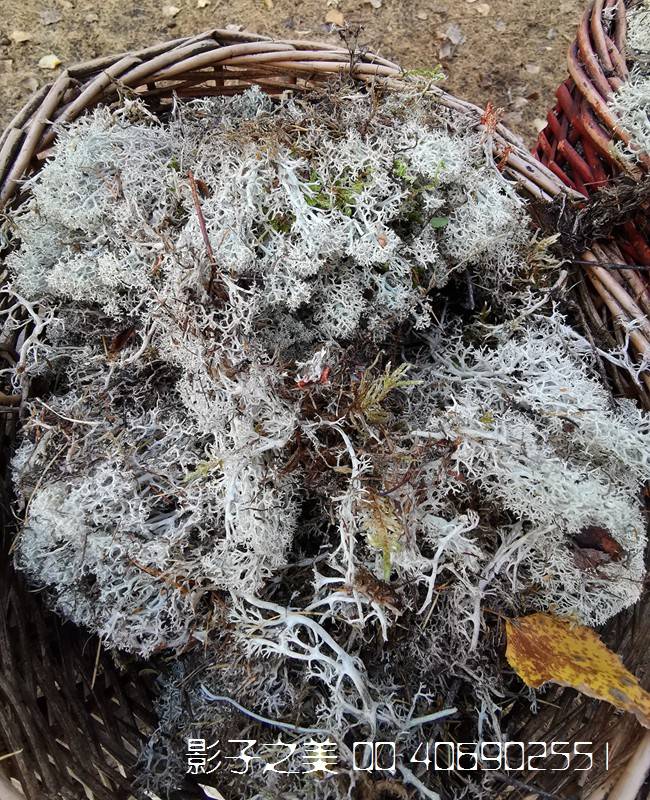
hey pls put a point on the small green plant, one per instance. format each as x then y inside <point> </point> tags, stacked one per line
<point>487,419</point>
<point>412,218</point>
<point>401,170</point>
<point>203,469</point>
<point>341,195</point>
<point>317,196</point>
<point>382,527</point>
<point>432,73</point>
<point>373,390</point>
<point>282,223</point>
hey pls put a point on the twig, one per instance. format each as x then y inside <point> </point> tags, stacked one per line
<point>611,265</point>
<point>96,667</point>
<point>204,230</point>
<point>10,755</point>
<point>470,304</point>
<point>69,419</point>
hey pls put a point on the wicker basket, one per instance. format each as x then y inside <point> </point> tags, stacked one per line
<point>579,146</point>
<point>73,717</point>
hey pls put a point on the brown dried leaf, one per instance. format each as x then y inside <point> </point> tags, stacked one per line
<point>120,341</point>
<point>594,537</point>
<point>543,648</point>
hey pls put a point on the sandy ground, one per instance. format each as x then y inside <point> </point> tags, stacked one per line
<point>512,52</point>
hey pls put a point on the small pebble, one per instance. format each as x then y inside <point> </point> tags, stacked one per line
<point>30,83</point>
<point>51,16</point>
<point>18,37</point>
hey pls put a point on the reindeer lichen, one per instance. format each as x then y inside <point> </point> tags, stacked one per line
<point>294,398</point>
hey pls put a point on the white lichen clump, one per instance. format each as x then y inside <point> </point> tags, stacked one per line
<point>632,101</point>
<point>638,30</point>
<point>261,414</point>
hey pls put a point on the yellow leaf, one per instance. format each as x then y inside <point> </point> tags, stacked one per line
<point>543,648</point>
<point>49,62</point>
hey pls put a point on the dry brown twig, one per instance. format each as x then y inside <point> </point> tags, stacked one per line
<point>204,230</point>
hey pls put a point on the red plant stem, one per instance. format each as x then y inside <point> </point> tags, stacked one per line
<point>204,230</point>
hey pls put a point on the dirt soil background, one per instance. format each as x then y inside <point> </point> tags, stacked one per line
<point>512,52</point>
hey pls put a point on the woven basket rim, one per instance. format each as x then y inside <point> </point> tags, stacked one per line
<point>220,61</point>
